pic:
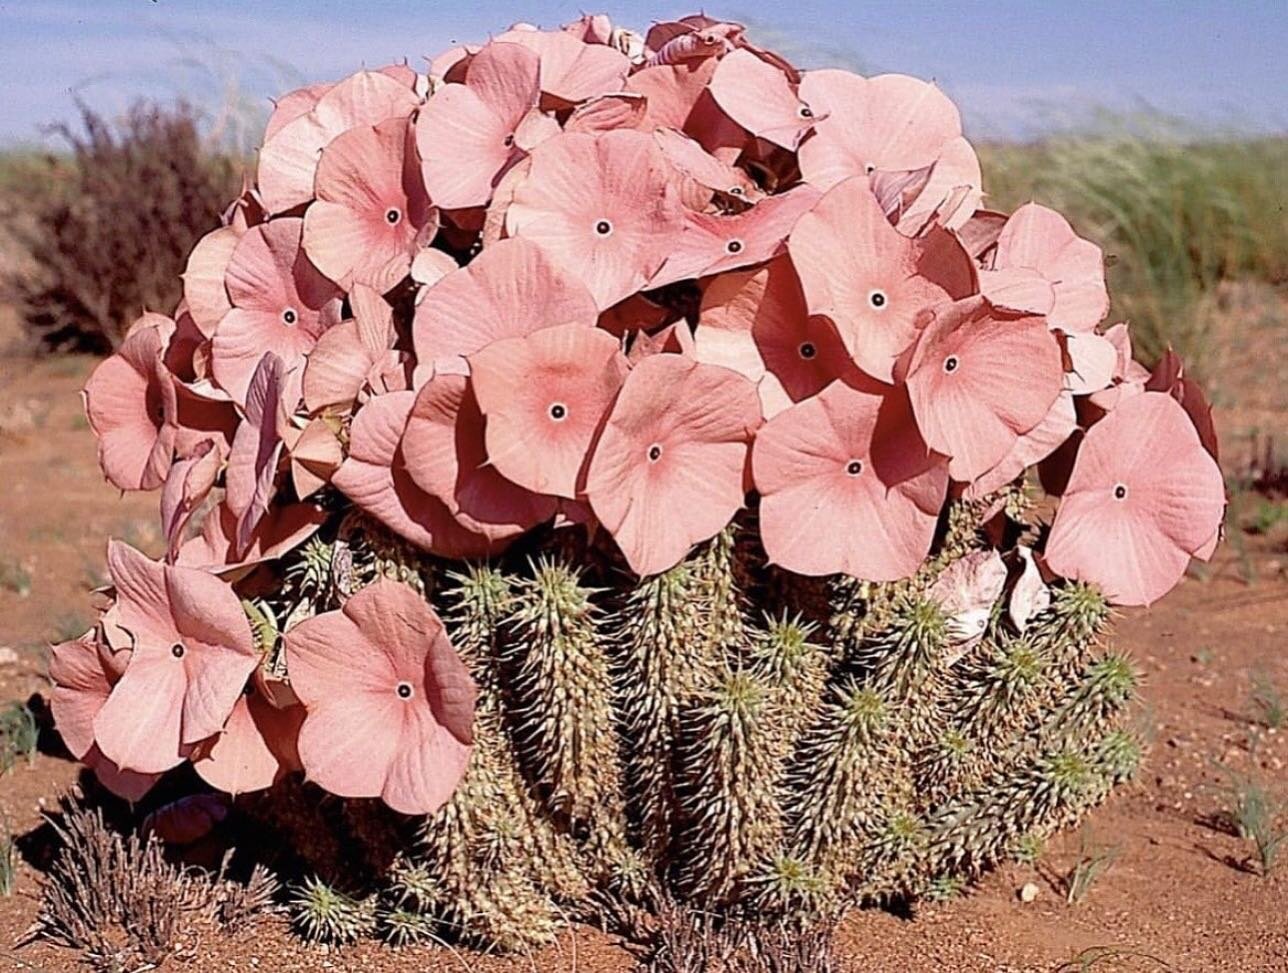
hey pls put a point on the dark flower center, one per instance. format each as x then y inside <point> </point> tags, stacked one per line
<point>289,316</point>
<point>654,453</point>
<point>558,411</point>
<point>806,111</point>
<point>509,141</point>
<point>807,350</point>
<point>392,216</point>
<point>877,299</point>
<point>854,467</point>
<point>734,246</point>
<point>177,650</point>
<point>951,363</point>
<point>603,228</point>
<point>736,191</point>
<point>1120,491</point>
<point>404,690</point>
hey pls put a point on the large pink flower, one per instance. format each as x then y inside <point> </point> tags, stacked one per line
<point>1144,497</point>
<point>509,290</point>
<point>602,206</point>
<point>84,671</point>
<point>1041,266</point>
<point>288,161</point>
<point>979,381</point>
<point>355,357</point>
<point>870,280</point>
<point>192,654</point>
<point>572,71</point>
<point>543,398</point>
<point>848,486</point>
<point>371,213</point>
<point>281,302</point>
<point>390,705</point>
<point>466,132</point>
<point>762,99</point>
<point>257,748</point>
<point>130,403</point>
<point>668,470</point>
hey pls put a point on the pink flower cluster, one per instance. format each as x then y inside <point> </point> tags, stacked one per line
<point>619,282</point>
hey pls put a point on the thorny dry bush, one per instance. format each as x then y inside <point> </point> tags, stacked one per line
<point>118,901</point>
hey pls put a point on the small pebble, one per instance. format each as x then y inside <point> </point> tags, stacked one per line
<point>1029,892</point>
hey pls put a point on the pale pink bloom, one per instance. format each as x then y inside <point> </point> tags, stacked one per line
<point>1038,247</point>
<point>257,748</point>
<point>887,123</point>
<point>871,281</point>
<point>668,470</point>
<point>949,195</point>
<point>466,133</point>
<point>966,591</point>
<point>281,302</point>
<point>591,28</point>
<point>847,486</point>
<point>130,404</point>
<point>390,705</point>
<point>293,104</point>
<point>543,398</point>
<point>356,357</point>
<point>186,487</point>
<point>510,289</point>
<point>1129,376</point>
<point>257,448</point>
<point>288,161</point>
<point>371,215</point>
<point>1090,362</point>
<point>978,382</point>
<point>83,671</point>
<point>713,244</point>
<point>444,452</point>
<point>375,477</point>
<point>192,653</point>
<point>572,71</point>
<point>980,232</point>
<point>602,206</point>
<point>762,99</point>
<point>1144,497</point>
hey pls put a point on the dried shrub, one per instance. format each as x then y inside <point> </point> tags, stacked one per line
<point>108,225</point>
<point>118,901</point>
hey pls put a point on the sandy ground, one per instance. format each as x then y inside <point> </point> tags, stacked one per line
<point>1180,894</point>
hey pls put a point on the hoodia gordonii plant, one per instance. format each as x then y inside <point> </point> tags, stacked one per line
<point>619,466</point>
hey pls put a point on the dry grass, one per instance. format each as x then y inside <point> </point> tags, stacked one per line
<point>107,225</point>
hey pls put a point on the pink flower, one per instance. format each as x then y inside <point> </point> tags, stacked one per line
<point>130,404</point>
<point>84,671</point>
<point>192,654</point>
<point>288,161</point>
<point>1143,498</point>
<point>669,468</point>
<point>389,704</point>
<point>355,357</point>
<point>371,214</point>
<point>252,464</point>
<point>257,748</point>
<point>762,99</point>
<point>848,486</point>
<point>466,132</point>
<point>602,206</point>
<point>572,71</point>
<point>871,281</point>
<point>978,382</point>
<point>280,302</point>
<point>543,398</point>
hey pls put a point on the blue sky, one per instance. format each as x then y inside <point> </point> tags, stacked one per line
<point>1015,68</point>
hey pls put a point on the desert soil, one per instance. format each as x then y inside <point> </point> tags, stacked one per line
<point>1181,893</point>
